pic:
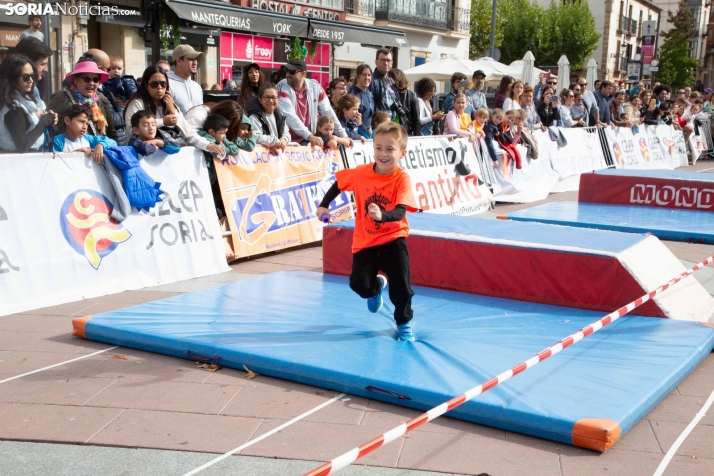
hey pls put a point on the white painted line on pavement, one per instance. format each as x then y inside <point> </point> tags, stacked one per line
<point>57,365</point>
<point>670,454</point>
<point>264,436</point>
<point>704,170</point>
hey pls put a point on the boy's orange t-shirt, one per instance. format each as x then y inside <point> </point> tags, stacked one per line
<point>387,191</point>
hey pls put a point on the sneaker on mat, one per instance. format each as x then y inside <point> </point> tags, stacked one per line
<point>374,304</point>
<point>405,332</point>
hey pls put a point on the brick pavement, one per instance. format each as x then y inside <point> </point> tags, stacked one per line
<point>158,402</point>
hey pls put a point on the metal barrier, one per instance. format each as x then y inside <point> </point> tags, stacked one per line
<point>703,129</point>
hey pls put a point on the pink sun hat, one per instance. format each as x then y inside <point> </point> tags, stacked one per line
<point>88,67</point>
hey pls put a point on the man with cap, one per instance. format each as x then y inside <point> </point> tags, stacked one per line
<point>476,97</point>
<point>301,101</point>
<point>186,92</point>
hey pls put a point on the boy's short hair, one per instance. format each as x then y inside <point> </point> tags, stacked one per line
<point>522,114</point>
<point>511,112</point>
<point>215,122</point>
<point>348,101</point>
<point>482,112</point>
<point>325,120</point>
<point>75,110</point>
<point>698,102</point>
<point>380,117</point>
<point>497,111</point>
<point>138,116</point>
<point>115,58</point>
<point>395,130</point>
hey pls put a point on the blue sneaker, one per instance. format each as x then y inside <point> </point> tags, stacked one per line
<point>405,332</point>
<point>374,304</point>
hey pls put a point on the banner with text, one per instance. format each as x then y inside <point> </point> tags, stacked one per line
<point>439,184</point>
<point>557,168</point>
<point>58,243</point>
<point>652,147</point>
<point>270,197</point>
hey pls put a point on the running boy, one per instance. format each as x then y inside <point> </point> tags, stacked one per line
<point>383,194</point>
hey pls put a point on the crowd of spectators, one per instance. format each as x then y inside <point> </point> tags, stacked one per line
<point>289,107</point>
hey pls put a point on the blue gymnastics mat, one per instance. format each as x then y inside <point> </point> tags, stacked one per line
<point>664,223</point>
<point>311,328</point>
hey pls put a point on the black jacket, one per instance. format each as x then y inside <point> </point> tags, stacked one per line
<point>548,114</point>
<point>410,104</point>
<point>254,108</point>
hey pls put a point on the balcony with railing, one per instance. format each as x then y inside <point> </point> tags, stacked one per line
<point>459,20</point>
<point>363,8</point>
<point>624,26</point>
<point>633,27</point>
<point>414,12</point>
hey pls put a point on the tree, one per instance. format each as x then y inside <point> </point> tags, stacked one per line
<point>675,63</point>
<point>523,25</point>
<point>481,11</point>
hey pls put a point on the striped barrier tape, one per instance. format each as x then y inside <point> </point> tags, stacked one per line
<point>356,453</point>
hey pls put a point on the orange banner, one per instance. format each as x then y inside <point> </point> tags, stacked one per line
<point>270,198</point>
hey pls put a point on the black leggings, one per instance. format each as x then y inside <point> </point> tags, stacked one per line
<point>393,260</point>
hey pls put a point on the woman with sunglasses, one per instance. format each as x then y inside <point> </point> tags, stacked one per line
<point>335,90</point>
<point>153,95</point>
<point>566,117</point>
<point>23,115</point>
<point>81,88</point>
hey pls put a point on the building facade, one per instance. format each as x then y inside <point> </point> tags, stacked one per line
<point>234,33</point>
<point>619,22</point>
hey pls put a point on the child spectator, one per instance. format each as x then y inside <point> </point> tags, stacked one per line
<point>380,118</point>
<point>350,118</point>
<point>143,136</point>
<point>325,129</point>
<point>527,140</point>
<point>509,137</point>
<point>379,241</point>
<point>214,131</point>
<point>75,137</point>
<point>122,86</point>
<point>491,135</point>
<point>248,138</point>
<point>480,121</point>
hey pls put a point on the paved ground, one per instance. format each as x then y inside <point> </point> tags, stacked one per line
<point>150,414</point>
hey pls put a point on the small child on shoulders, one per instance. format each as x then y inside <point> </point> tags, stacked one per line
<point>325,129</point>
<point>143,136</point>
<point>75,137</point>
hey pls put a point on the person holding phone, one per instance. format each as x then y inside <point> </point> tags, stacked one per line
<point>548,110</point>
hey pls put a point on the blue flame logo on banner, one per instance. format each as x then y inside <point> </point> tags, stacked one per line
<point>88,228</point>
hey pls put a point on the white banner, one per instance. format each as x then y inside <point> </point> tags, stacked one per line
<point>437,184</point>
<point>557,168</point>
<point>653,147</point>
<point>696,147</point>
<point>58,245</point>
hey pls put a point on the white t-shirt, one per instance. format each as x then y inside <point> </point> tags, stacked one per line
<point>509,104</point>
<point>71,146</point>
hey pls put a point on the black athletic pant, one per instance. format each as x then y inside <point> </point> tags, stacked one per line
<point>393,260</point>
